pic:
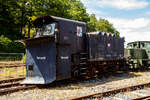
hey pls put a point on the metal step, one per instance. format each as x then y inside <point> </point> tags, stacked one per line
<point>83,73</point>
<point>83,68</point>
<point>83,58</point>
<point>83,63</point>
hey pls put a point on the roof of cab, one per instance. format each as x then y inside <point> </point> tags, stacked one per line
<point>38,21</point>
<point>138,41</point>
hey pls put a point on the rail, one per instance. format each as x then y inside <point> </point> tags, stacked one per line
<point>115,91</point>
<point>13,85</point>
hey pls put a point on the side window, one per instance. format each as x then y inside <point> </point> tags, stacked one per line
<point>130,46</point>
<point>148,46</point>
<point>142,45</point>
<point>49,29</point>
<point>134,45</point>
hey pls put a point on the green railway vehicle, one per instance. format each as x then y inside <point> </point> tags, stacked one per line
<point>138,54</point>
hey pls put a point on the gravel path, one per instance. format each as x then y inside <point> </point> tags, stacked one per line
<point>72,90</point>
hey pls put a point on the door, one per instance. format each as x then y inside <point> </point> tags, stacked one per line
<point>64,62</point>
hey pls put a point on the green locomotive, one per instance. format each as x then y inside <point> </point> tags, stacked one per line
<point>138,54</point>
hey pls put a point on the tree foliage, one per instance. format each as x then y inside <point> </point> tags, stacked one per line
<point>7,45</point>
<point>9,19</point>
<point>100,25</point>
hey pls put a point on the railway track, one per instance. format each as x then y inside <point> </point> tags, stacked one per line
<point>13,85</point>
<point>137,92</point>
<point>12,66</point>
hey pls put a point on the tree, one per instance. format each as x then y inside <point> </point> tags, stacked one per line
<point>100,25</point>
<point>105,26</point>
<point>71,9</point>
<point>9,19</point>
<point>92,24</point>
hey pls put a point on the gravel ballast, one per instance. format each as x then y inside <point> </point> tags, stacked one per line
<point>72,90</point>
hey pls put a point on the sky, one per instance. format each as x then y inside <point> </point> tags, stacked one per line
<point>130,17</point>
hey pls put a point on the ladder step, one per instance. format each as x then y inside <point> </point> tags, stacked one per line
<point>83,73</point>
<point>83,58</point>
<point>83,68</point>
<point>84,63</point>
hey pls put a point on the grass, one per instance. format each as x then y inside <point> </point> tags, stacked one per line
<point>11,72</point>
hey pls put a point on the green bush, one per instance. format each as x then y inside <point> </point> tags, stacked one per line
<point>9,46</point>
<point>16,47</point>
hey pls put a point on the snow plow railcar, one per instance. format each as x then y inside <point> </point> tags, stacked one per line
<point>61,49</point>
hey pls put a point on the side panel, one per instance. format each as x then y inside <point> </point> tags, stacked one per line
<point>105,47</point>
<point>137,53</point>
<point>97,47</point>
<point>148,53</point>
<point>68,35</point>
<point>122,46</point>
<point>41,63</point>
<point>63,62</point>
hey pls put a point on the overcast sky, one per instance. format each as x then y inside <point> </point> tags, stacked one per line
<point>130,17</point>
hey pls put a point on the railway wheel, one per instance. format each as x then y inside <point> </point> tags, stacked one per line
<point>92,71</point>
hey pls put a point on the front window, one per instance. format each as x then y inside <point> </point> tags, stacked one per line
<point>148,46</point>
<point>129,46</point>
<point>46,30</point>
<point>142,45</point>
